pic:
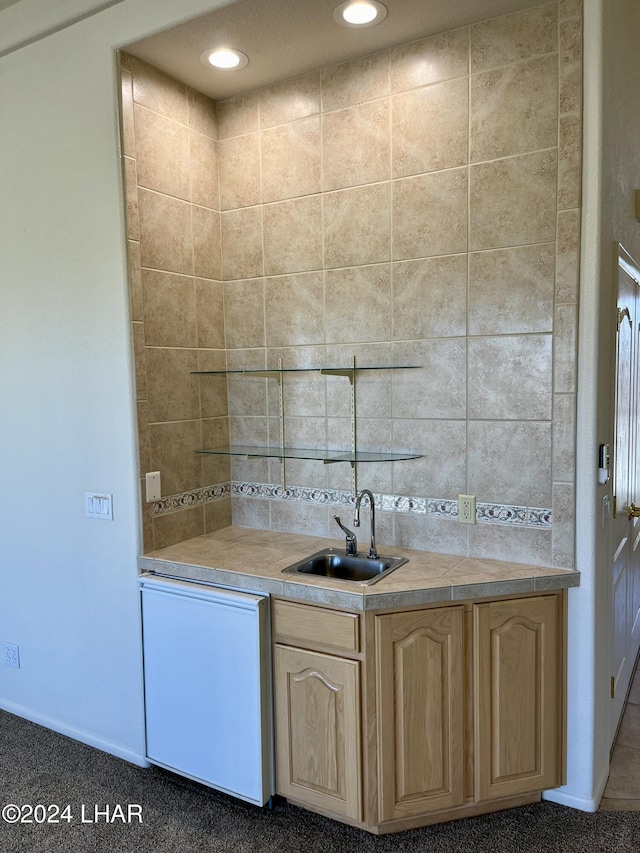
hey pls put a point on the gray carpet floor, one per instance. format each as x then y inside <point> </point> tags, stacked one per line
<point>40,766</point>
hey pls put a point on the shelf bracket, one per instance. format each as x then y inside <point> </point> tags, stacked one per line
<point>350,373</point>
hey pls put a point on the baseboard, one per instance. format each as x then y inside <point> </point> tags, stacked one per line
<point>565,798</point>
<point>76,734</point>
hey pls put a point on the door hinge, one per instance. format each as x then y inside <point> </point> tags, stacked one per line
<point>613,687</point>
<point>615,506</point>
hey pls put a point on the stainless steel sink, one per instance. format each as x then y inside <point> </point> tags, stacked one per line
<point>333,563</point>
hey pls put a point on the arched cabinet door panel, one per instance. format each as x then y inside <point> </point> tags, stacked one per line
<point>420,686</point>
<point>518,697</point>
<point>318,755</point>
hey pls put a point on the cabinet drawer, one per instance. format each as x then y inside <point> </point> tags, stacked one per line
<point>301,624</point>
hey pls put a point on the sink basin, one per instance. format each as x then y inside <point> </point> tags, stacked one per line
<point>333,563</point>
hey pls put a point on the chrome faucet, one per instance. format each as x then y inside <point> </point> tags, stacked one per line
<point>352,542</point>
<point>356,521</point>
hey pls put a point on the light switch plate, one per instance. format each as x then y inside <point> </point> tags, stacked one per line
<point>98,505</point>
<point>152,485</point>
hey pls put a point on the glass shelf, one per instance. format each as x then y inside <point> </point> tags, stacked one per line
<point>326,456</point>
<point>277,371</point>
<point>282,451</point>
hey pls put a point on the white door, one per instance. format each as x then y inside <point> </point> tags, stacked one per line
<point>625,577</point>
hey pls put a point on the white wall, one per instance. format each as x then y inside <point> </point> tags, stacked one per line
<point>611,172</point>
<point>68,593</point>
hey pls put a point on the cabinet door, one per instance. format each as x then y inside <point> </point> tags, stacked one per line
<point>317,699</point>
<point>420,686</point>
<point>518,701</point>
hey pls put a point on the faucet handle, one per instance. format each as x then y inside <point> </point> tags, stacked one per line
<point>352,542</point>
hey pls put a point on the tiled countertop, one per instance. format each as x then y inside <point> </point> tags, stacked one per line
<point>251,559</point>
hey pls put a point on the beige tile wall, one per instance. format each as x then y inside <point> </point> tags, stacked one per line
<point>417,206</point>
<point>171,168</point>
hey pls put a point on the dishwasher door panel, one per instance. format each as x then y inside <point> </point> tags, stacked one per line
<point>207,698</point>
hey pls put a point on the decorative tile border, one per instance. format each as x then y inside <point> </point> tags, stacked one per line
<point>486,513</point>
<point>170,503</point>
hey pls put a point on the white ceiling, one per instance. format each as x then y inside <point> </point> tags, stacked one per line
<point>286,38</point>
<point>5,3</point>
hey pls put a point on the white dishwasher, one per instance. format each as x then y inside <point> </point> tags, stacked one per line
<point>207,685</point>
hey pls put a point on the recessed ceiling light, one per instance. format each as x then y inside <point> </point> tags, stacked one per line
<point>225,57</point>
<point>360,13</point>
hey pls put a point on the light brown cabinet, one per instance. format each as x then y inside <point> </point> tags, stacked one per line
<point>420,705</point>
<point>392,720</point>
<point>518,697</point>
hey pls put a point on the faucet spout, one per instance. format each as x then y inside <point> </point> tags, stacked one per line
<point>352,542</point>
<point>356,520</point>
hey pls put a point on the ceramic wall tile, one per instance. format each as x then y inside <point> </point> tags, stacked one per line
<point>206,242</point>
<point>358,303</point>
<point>564,349</point>
<point>431,128</point>
<point>514,109</point>
<point>293,235</point>
<point>210,314</point>
<point>239,164</point>
<point>203,162</point>
<point>215,433</point>
<point>356,145</point>
<point>212,387</point>
<point>563,535</point>
<point>513,201</point>
<point>217,514</point>
<point>357,226</point>
<point>169,309</point>
<point>430,60</point>
<point>291,162</point>
<point>162,153</point>
<point>144,448</point>
<point>157,91</point>
<point>166,240</point>
<point>238,115</point>
<point>294,309</point>
<point>292,517</point>
<point>244,313</point>
<point>139,353</point>
<point>513,544</point>
<point>570,65</point>
<point>135,279</point>
<point>569,9</point>
<point>173,447</point>
<point>568,257</point>
<point>251,512</point>
<point>202,114</point>
<point>440,536</point>
<point>356,81</point>
<point>242,243</point>
<point>442,470</point>
<point>290,99</point>
<point>305,395</point>
<point>131,194</point>
<point>512,290</point>
<point>570,162</point>
<point>497,449</point>
<point>178,526</point>
<point>430,298</point>
<point>430,215</point>
<point>564,428</point>
<point>437,389</point>
<point>510,377</point>
<point>514,37</point>
<point>172,389</point>
<point>126,115</point>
